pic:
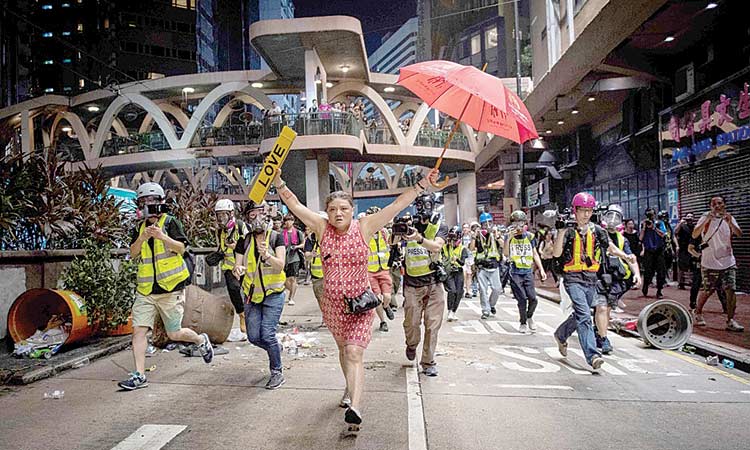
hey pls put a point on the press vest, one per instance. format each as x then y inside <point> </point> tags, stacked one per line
<point>417,259</point>
<point>379,253</point>
<point>489,248</point>
<point>521,251</point>
<point>577,262</point>
<point>266,279</point>
<point>239,230</point>
<point>316,265</point>
<point>167,267</point>
<point>452,255</point>
<point>621,246</point>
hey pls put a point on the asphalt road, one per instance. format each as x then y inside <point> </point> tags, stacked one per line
<point>497,388</point>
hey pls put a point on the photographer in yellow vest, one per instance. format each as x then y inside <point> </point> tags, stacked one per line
<point>260,258</point>
<point>158,244</point>
<point>520,247</point>
<point>379,271</point>
<point>229,231</point>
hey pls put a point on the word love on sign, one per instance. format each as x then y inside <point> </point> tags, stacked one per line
<point>273,162</point>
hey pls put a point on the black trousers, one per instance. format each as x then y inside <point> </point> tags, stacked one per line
<point>654,263</point>
<point>454,286</point>
<point>235,291</point>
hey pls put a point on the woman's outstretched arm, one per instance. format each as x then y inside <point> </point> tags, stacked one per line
<point>302,212</point>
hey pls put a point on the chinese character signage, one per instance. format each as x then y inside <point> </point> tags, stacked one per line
<point>714,124</point>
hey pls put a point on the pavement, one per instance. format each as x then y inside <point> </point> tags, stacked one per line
<point>496,388</point>
<point>710,339</point>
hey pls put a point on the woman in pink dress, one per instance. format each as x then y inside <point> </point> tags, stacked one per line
<point>344,252</point>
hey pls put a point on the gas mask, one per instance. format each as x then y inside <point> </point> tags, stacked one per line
<point>258,225</point>
<point>612,220</point>
<point>424,205</point>
<point>518,227</point>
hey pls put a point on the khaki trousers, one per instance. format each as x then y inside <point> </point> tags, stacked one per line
<point>424,304</point>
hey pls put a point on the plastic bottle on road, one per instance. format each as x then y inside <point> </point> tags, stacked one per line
<point>56,394</point>
<point>728,363</point>
<point>82,363</point>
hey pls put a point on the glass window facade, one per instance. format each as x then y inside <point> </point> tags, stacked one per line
<point>634,193</point>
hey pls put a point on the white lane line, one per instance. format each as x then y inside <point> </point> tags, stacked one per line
<point>150,437</point>
<point>417,434</point>
<point>552,387</point>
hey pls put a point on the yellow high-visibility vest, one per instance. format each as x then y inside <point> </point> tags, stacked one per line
<point>379,253</point>
<point>621,246</point>
<point>239,230</point>
<point>489,248</point>
<point>417,258</point>
<point>316,265</point>
<point>451,255</point>
<point>521,251</point>
<point>164,265</point>
<point>267,280</point>
<point>577,263</point>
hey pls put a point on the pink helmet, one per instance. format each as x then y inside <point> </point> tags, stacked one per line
<point>583,200</point>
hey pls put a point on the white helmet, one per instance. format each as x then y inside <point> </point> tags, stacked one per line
<point>149,189</point>
<point>224,205</point>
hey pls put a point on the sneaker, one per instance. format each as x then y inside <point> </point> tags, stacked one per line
<point>411,353</point>
<point>384,327</point>
<point>732,325</point>
<point>352,416</point>
<point>389,312</point>
<point>618,310</point>
<point>276,380</point>
<point>599,341</point>
<point>699,320</point>
<point>493,310</point>
<point>473,295</point>
<point>290,302</point>
<point>596,362</point>
<point>659,295</point>
<point>136,381</point>
<point>531,324</point>
<point>523,329</point>
<point>467,295</point>
<point>206,349</point>
<point>562,347</point>
<point>430,371</point>
<point>644,291</point>
<point>346,401</point>
<point>606,346</point>
<point>450,316</point>
<point>485,316</point>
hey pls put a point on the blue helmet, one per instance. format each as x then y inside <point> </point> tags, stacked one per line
<point>485,217</point>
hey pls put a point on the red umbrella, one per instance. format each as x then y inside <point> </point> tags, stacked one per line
<point>472,96</point>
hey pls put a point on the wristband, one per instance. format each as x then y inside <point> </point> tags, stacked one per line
<point>420,240</point>
<point>281,186</point>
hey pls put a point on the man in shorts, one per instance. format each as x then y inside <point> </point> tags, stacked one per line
<point>158,244</point>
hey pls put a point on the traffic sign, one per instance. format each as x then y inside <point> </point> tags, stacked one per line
<point>273,162</point>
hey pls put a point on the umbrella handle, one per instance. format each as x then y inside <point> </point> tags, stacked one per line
<point>441,184</point>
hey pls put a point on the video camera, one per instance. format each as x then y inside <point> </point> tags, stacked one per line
<point>401,226</point>
<point>565,219</point>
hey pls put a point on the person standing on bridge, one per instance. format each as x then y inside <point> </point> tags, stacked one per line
<point>520,248</point>
<point>343,246</point>
<point>582,246</point>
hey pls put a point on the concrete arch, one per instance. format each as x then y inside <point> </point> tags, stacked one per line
<point>416,124</point>
<point>208,101</point>
<point>119,128</point>
<point>376,99</point>
<point>405,107</point>
<point>111,114</point>
<point>169,108</point>
<point>226,111</point>
<point>75,122</point>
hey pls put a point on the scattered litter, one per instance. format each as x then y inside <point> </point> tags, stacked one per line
<point>171,346</point>
<point>712,360</point>
<point>150,369</point>
<point>728,363</point>
<point>150,350</point>
<point>47,342</point>
<point>165,350</point>
<point>631,325</point>
<point>294,342</point>
<point>688,349</point>
<point>236,335</point>
<point>82,363</point>
<point>372,365</point>
<point>54,394</point>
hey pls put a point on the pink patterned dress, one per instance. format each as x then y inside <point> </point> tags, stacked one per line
<point>344,259</point>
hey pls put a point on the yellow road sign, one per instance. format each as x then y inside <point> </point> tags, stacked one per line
<point>273,161</point>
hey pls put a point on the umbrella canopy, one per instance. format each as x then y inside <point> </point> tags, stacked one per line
<point>471,96</point>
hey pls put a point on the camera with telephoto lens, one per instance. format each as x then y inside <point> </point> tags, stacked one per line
<point>401,226</point>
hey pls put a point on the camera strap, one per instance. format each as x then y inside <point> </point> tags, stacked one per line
<point>721,221</point>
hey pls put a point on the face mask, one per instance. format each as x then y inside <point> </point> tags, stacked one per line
<point>258,225</point>
<point>612,220</point>
<point>230,223</point>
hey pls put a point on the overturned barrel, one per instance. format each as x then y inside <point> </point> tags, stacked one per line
<point>33,309</point>
<point>665,324</point>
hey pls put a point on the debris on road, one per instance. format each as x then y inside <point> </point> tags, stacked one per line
<point>56,394</point>
<point>712,360</point>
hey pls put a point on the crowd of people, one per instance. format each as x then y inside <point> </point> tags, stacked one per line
<point>357,265</point>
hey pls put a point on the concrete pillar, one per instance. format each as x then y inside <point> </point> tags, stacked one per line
<point>512,191</point>
<point>293,167</point>
<point>311,183</point>
<point>450,209</point>
<point>323,179</point>
<point>571,27</point>
<point>312,64</point>
<point>467,196</point>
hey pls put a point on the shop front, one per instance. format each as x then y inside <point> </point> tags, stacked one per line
<point>705,152</point>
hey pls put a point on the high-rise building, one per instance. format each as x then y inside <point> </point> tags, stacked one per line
<point>15,54</point>
<point>397,49</point>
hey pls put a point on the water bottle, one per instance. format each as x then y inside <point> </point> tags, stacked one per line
<point>54,394</point>
<point>729,364</point>
<point>712,360</point>
<point>292,349</point>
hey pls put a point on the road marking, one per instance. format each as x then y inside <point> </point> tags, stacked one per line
<point>417,436</point>
<point>532,386</point>
<point>150,437</point>
<point>686,358</point>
